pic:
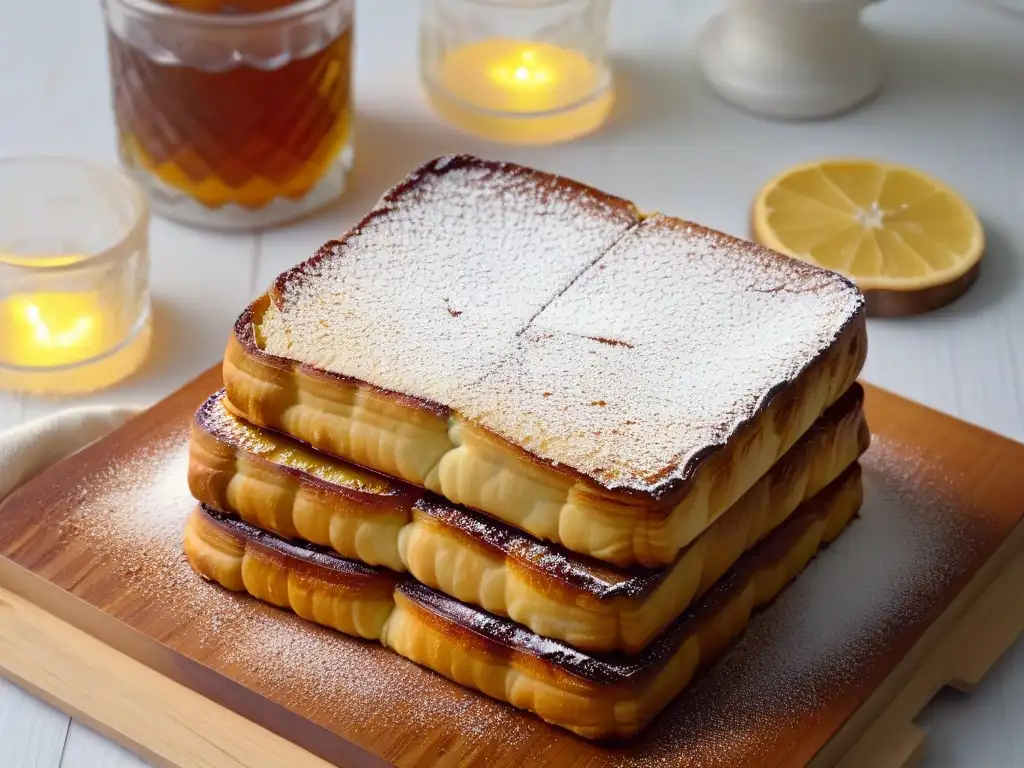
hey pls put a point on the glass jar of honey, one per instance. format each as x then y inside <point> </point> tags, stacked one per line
<point>233,114</point>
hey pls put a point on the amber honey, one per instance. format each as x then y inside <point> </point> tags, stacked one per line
<point>233,120</point>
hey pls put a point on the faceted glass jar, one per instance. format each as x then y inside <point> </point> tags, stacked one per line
<point>233,115</point>
<point>74,276</point>
<point>517,71</point>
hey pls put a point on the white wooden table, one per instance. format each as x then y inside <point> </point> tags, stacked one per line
<point>953,105</point>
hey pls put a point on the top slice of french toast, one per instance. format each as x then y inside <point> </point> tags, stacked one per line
<point>621,347</point>
<point>425,295</point>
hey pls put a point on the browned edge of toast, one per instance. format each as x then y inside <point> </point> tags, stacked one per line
<point>245,349</point>
<point>595,578</point>
<point>312,560</point>
<point>466,624</point>
<point>546,183</point>
<point>395,494</point>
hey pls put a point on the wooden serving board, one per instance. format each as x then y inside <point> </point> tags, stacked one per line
<point>100,614</point>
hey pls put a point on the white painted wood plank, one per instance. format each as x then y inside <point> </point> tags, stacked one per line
<point>31,733</point>
<point>55,87</point>
<point>87,749</point>
<point>981,728</point>
<point>12,410</point>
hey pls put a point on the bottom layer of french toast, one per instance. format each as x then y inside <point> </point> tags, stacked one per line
<point>597,696</point>
<point>289,489</point>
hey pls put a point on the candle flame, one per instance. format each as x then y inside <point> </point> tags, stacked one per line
<point>521,91</point>
<point>70,336</point>
<point>523,70</point>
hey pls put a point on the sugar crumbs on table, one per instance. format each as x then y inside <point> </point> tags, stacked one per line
<point>132,514</point>
<point>815,644</point>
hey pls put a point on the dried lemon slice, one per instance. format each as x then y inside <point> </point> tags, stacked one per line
<point>908,241</point>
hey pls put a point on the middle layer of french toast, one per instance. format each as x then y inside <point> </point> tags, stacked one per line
<point>281,486</point>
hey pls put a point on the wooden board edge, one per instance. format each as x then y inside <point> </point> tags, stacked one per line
<point>958,648</point>
<point>189,674</point>
<point>173,726</point>
<point>148,713</point>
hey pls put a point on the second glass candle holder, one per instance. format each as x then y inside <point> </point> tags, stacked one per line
<point>517,71</point>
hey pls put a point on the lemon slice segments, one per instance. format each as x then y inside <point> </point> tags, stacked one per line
<point>885,226</point>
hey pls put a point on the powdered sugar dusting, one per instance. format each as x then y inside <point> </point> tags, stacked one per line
<point>426,294</point>
<point>131,517</point>
<point>821,641</point>
<point>662,350</point>
<point>542,311</point>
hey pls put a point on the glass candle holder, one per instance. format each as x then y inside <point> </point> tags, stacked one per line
<point>233,115</point>
<point>74,276</point>
<point>517,71</point>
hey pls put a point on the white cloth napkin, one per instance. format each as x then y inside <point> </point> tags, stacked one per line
<point>28,449</point>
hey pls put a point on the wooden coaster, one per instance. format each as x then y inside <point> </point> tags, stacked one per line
<point>906,303</point>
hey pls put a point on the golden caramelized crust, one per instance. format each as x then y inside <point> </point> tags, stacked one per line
<point>609,696</point>
<point>597,607</point>
<point>314,583</point>
<point>552,591</point>
<point>430,447</point>
<point>535,349</point>
<point>284,487</point>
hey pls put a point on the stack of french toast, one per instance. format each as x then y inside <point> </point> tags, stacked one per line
<point>518,432</point>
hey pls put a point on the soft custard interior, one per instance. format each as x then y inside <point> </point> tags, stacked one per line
<point>468,465</point>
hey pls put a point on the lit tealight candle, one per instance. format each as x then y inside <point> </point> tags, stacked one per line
<point>53,329</point>
<point>74,294</point>
<point>520,77</point>
<point>521,91</point>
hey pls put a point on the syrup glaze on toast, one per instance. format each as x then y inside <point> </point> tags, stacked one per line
<point>216,418</point>
<point>539,310</point>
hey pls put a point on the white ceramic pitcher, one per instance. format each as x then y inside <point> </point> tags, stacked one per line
<point>791,58</point>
